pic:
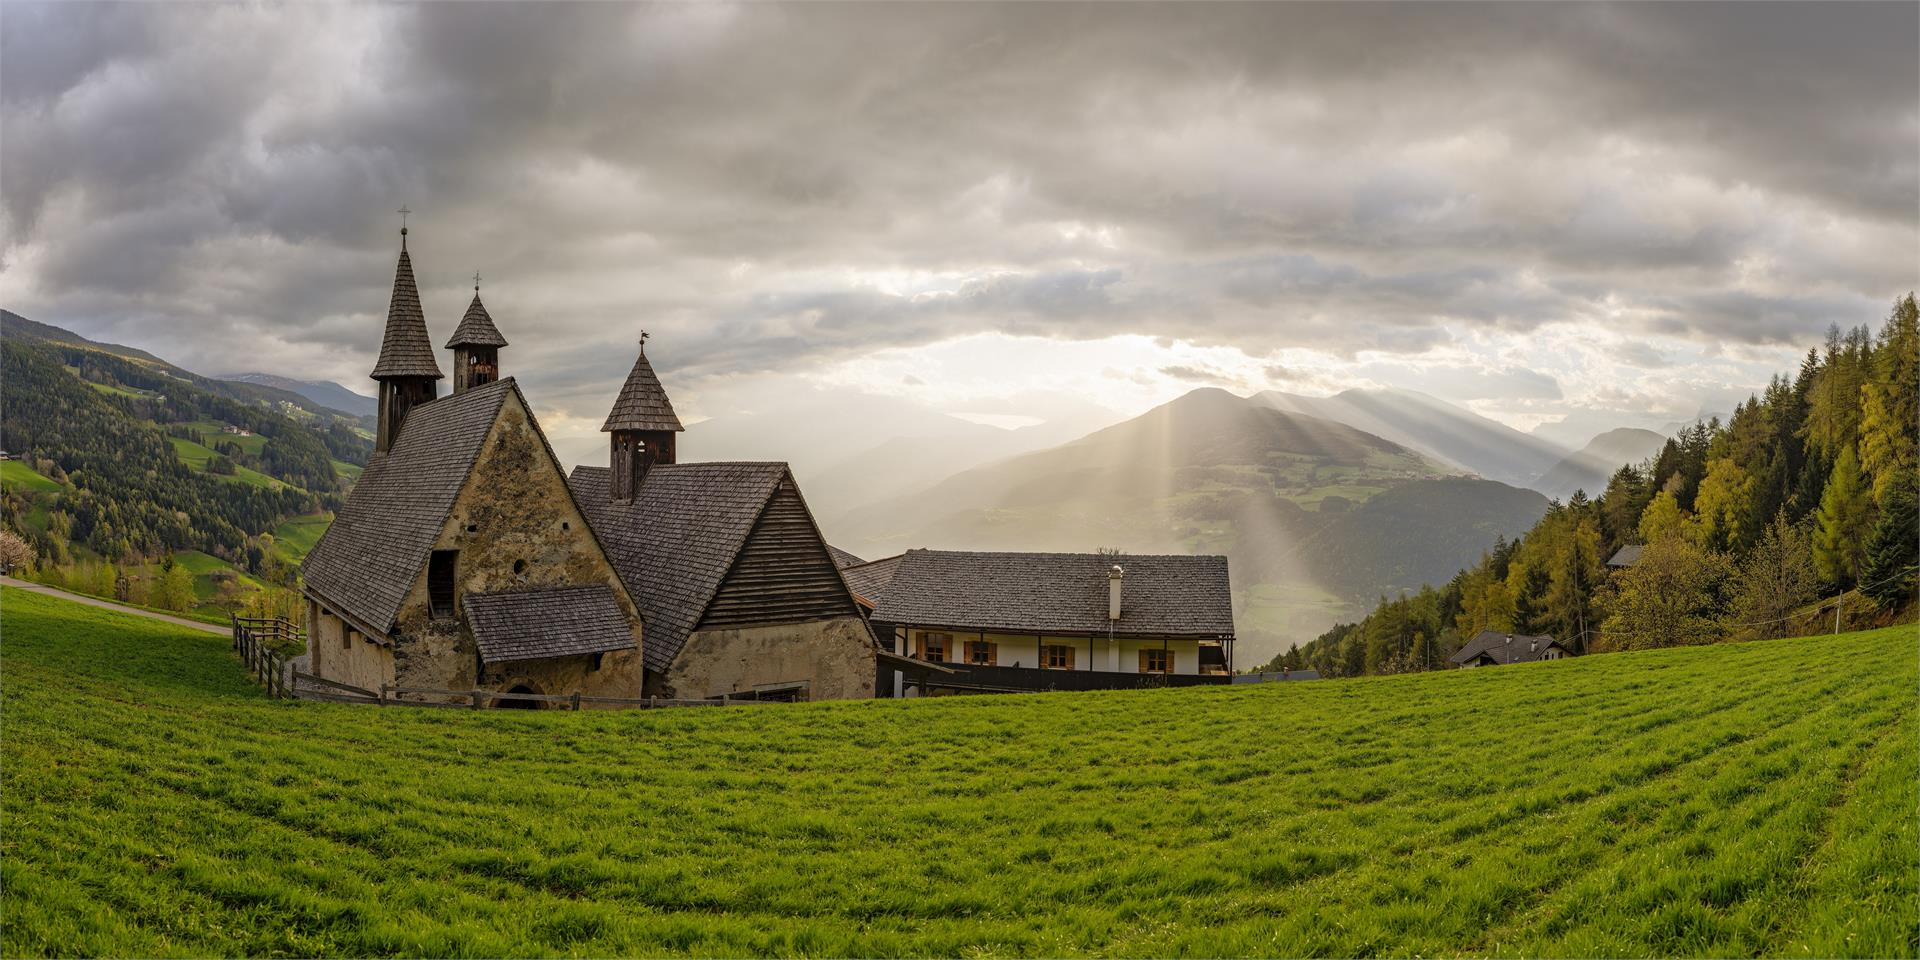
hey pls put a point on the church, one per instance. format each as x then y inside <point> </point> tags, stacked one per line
<point>466,559</point>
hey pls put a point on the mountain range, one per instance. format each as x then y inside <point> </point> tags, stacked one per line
<point>1450,433</point>
<point>1590,467</point>
<point>324,392</point>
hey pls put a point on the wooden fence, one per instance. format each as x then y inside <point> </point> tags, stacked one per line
<point>258,640</point>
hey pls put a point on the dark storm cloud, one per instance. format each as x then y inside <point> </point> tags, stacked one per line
<point>745,180</point>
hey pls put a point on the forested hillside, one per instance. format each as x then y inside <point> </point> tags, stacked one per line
<point>123,461</point>
<point>1797,512</point>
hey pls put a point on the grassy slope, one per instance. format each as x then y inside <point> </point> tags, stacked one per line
<point>1737,800</point>
<point>297,536</point>
<point>198,456</point>
<point>15,476</point>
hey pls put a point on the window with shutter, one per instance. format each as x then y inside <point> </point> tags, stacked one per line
<point>1156,661</point>
<point>1055,656</point>
<point>983,653</point>
<point>933,647</point>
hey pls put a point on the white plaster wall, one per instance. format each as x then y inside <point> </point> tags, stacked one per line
<point>1120,655</point>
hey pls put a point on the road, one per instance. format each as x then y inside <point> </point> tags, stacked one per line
<point>110,605</point>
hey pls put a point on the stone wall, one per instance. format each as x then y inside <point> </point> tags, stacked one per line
<point>342,654</point>
<point>834,657</point>
<point>516,527</point>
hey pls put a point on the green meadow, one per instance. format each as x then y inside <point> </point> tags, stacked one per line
<point>18,477</point>
<point>1734,800</point>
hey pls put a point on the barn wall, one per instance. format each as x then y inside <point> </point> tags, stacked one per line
<point>783,574</point>
<point>835,657</point>
<point>518,507</point>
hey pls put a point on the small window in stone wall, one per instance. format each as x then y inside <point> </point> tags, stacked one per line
<point>597,661</point>
<point>519,566</point>
<point>440,570</point>
<point>346,639</point>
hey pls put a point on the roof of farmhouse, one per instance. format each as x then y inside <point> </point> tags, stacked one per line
<point>869,580</point>
<point>373,552</point>
<point>675,541</point>
<point>1064,593</point>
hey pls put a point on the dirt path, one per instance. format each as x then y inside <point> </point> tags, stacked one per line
<point>110,605</point>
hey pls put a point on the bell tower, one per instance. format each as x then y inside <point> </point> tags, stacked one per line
<point>406,369</point>
<point>642,426</point>
<point>476,346</point>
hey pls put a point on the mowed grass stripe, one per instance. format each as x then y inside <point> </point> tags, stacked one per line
<point>1512,811</point>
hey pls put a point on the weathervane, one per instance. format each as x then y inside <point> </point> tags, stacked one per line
<point>643,342</point>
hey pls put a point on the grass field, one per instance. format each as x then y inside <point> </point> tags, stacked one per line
<point>298,535</point>
<point>1731,800</point>
<point>17,476</point>
<point>197,456</point>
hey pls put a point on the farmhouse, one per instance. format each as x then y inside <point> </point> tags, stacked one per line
<point>1626,556</point>
<point>465,558</point>
<point>1037,621</point>
<point>1491,648</point>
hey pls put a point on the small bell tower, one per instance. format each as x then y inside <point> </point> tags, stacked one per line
<point>642,426</point>
<point>406,370</point>
<point>476,346</point>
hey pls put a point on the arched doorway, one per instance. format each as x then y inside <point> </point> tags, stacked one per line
<point>516,703</point>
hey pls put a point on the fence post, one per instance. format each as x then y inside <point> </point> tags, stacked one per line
<point>476,699</point>
<point>383,694</point>
<point>576,699</point>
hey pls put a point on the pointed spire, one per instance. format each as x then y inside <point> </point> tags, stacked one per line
<point>405,351</point>
<point>643,403</point>
<point>476,329</point>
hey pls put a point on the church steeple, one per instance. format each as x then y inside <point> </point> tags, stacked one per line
<point>476,346</point>
<point>643,425</point>
<point>406,369</point>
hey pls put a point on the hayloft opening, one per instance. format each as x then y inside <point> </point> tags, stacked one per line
<point>440,582</point>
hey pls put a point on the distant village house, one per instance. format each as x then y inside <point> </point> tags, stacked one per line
<point>1491,648</point>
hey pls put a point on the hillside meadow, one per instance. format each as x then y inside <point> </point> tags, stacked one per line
<point>1742,799</point>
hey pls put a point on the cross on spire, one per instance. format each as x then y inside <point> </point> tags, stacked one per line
<point>403,225</point>
<point>476,281</point>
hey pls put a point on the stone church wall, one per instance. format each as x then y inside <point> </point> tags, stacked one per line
<point>835,658</point>
<point>516,528</point>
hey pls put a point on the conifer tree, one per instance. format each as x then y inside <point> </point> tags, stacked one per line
<point>1662,518</point>
<point>1843,524</point>
<point>1889,401</point>
<point>1893,556</point>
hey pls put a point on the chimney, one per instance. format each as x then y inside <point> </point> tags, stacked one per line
<point>1533,645</point>
<point>1113,592</point>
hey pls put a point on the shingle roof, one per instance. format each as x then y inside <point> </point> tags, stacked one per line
<point>542,624</point>
<point>643,403</point>
<point>868,581</point>
<point>842,558</point>
<point>1162,596</point>
<point>405,350</point>
<point>476,329</point>
<point>674,542</point>
<point>372,553</point>
<point>1506,647</point>
<point>1626,556</point>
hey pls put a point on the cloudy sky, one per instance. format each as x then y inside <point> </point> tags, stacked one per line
<point>1567,217</point>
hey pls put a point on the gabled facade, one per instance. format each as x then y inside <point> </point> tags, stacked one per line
<point>739,591</point>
